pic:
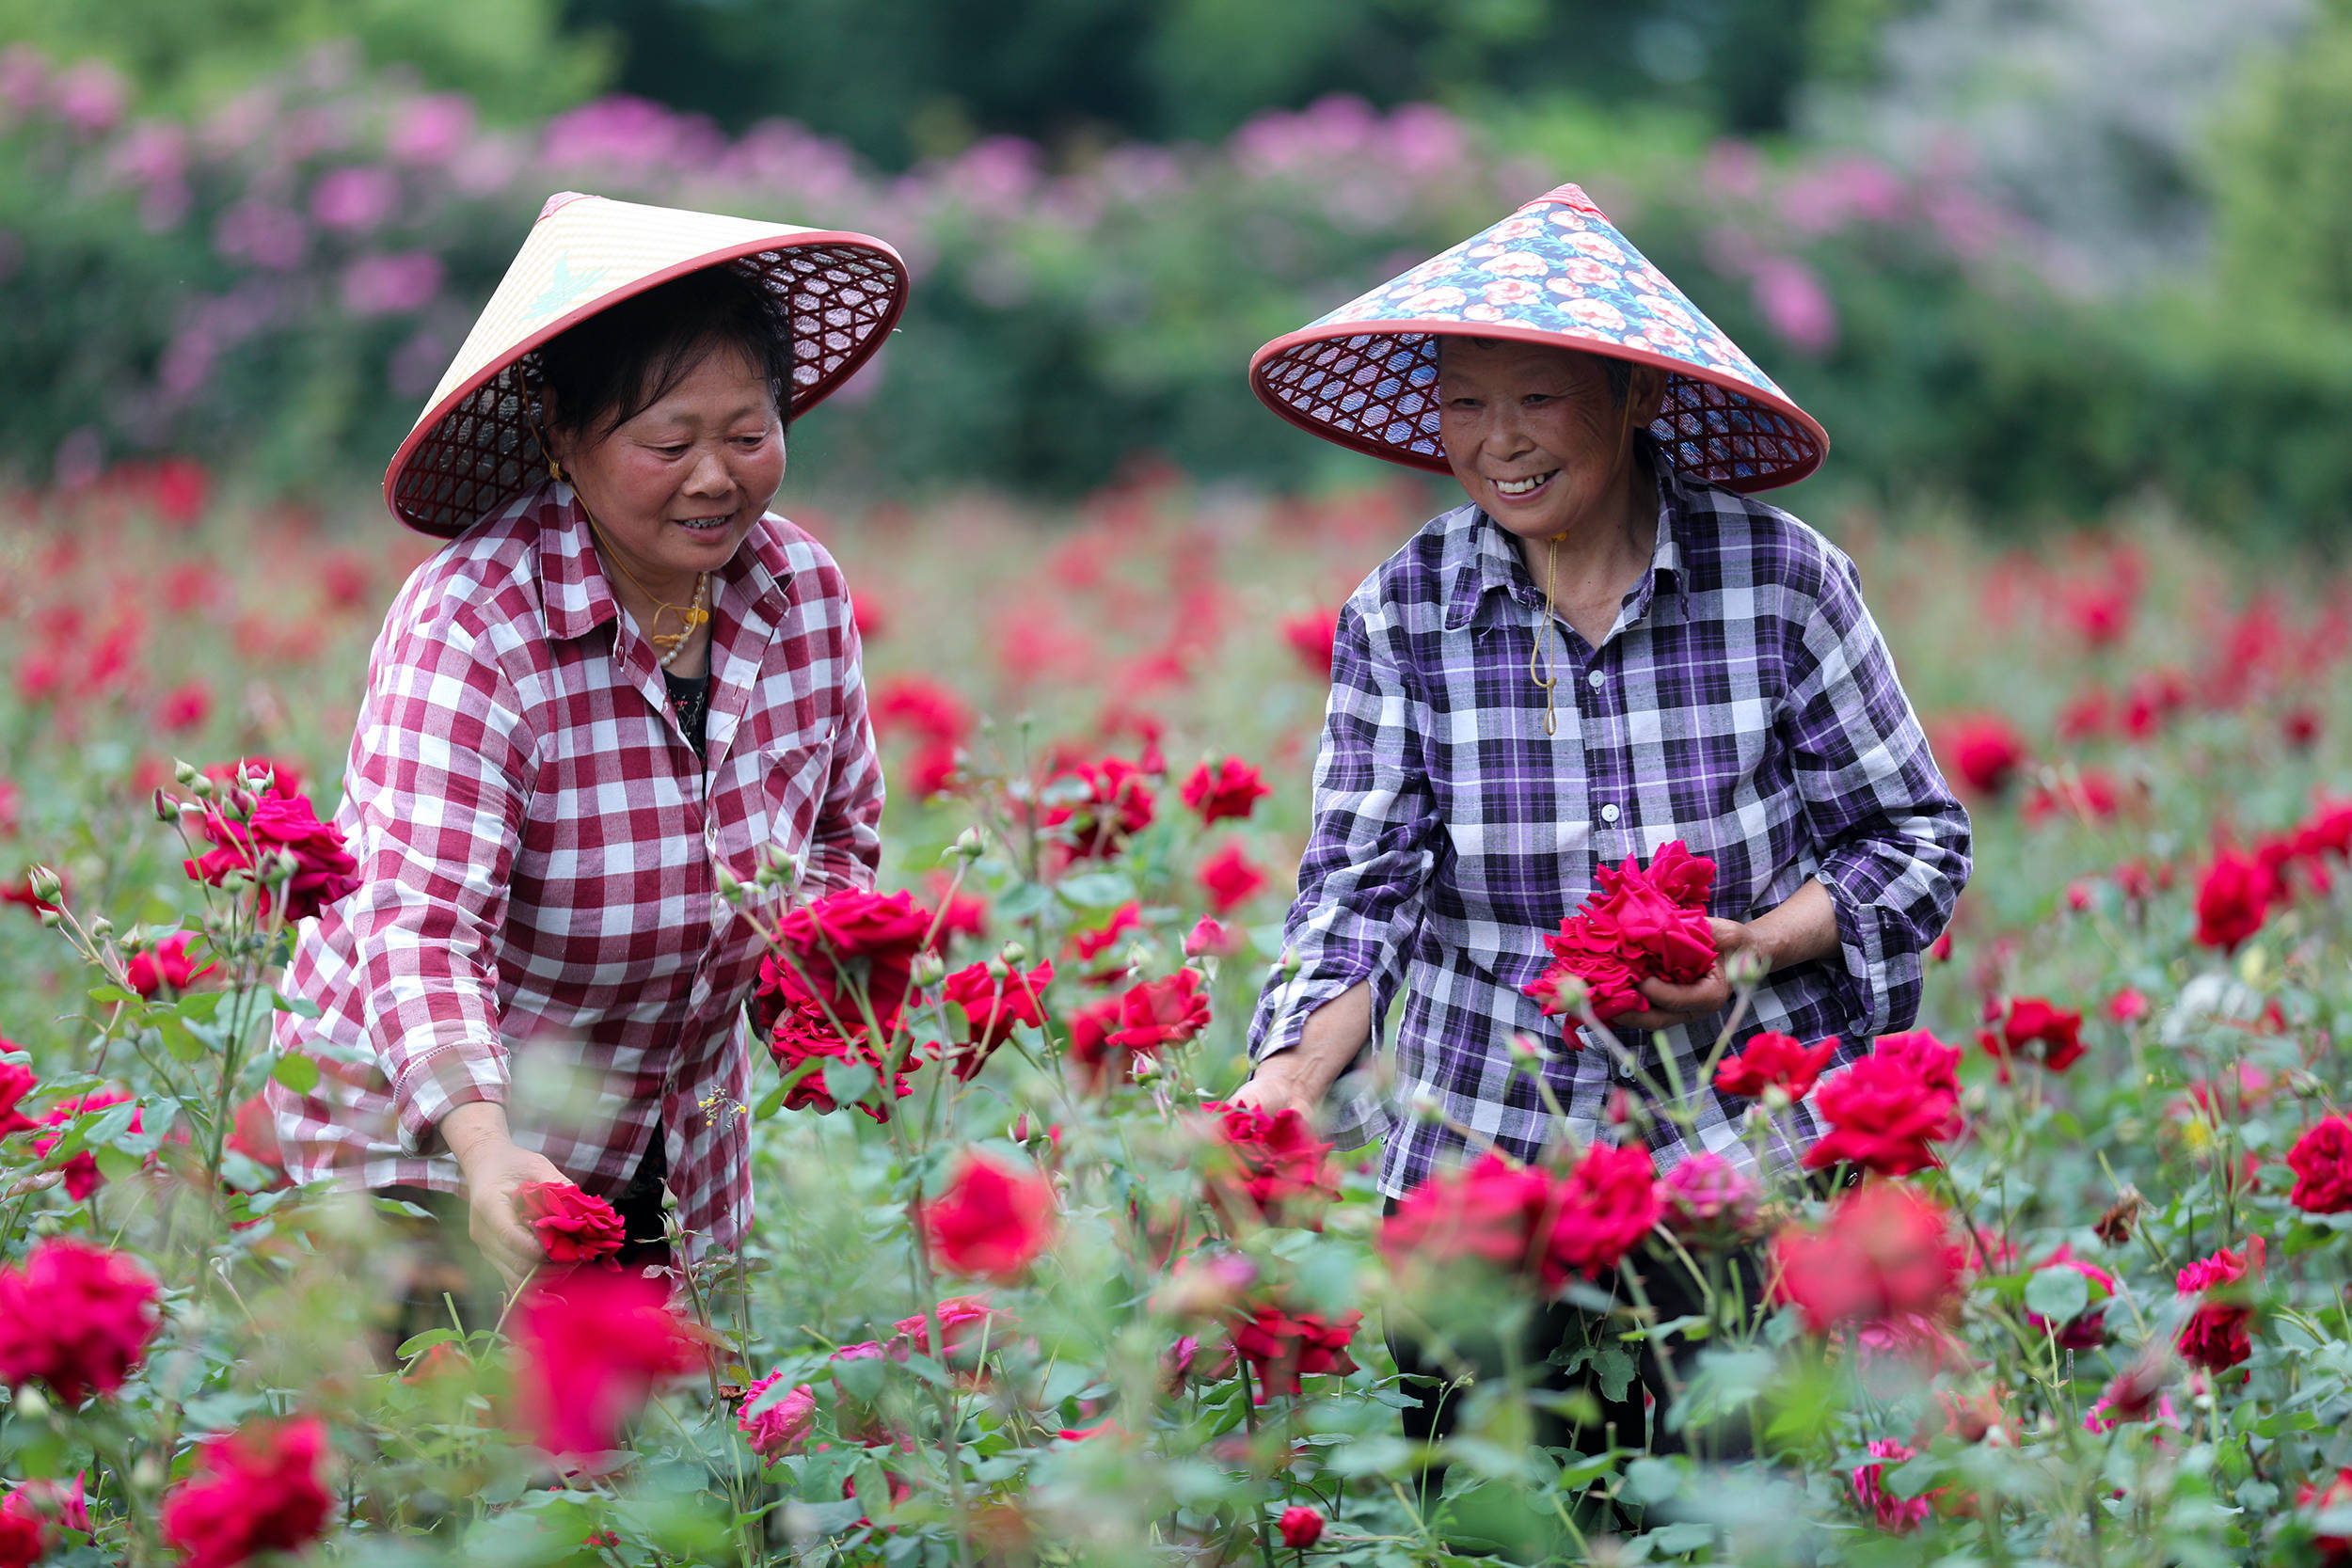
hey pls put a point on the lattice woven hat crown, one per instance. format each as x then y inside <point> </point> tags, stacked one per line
<point>472,450</point>
<point>1554,272</point>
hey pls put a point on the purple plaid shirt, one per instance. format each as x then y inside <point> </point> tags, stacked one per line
<point>1744,702</point>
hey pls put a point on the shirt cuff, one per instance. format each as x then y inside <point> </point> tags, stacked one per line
<point>434,1080</point>
<point>1880,985</point>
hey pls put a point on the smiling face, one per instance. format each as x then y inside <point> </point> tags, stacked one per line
<point>678,487</point>
<point>1534,436</point>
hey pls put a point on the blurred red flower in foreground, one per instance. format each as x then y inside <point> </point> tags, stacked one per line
<point>1771,1060</point>
<point>593,1344</point>
<point>1884,1109</point>
<point>166,963</point>
<point>991,1221</point>
<point>2321,1162</point>
<point>254,1490</point>
<point>1640,923</point>
<point>2335,1497</point>
<point>2215,1336</point>
<point>1301,1528</point>
<point>324,870</point>
<point>1706,1193</point>
<point>1886,1252</point>
<point>16,1081</point>
<point>2233,899</point>
<point>1986,751</point>
<point>184,707</point>
<point>1601,1209</point>
<point>1223,789</point>
<point>844,938</point>
<point>1262,1164</point>
<point>1281,1345</point>
<point>76,1315</point>
<point>1528,1220</point>
<point>1895,1515</point>
<point>575,1227</point>
<point>27,1514</point>
<point>1229,879</point>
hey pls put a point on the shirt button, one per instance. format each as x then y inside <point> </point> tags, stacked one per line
<point>1609,814</point>
<point>1594,680</point>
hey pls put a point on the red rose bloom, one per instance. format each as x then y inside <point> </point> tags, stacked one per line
<point>2334,1550</point>
<point>991,1221</point>
<point>1086,946</point>
<point>911,705</point>
<point>324,869</point>
<point>166,963</point>
<point>1884,1253</point>
<point>991,1007</point>
<point>574,1227</point>
<point>1895,1515</point>
<point>593,1344</point>
<point>968,1324</point>
<point>2032,1021</point>
<point>1281,1346</point>
<point>1224,789</point>
<point>1489,1209</point>
<point>1884,1110</point>
<point>1987,752</point>
<point>1142,1020</point>
<point>1639,925</point>
<point>76,1316</point>
<point>1262,1164</point>
<point>2321,1162</point>
<point>81,1172</point>
<point>781,1428</point>
<point>1311,636</point>
<point>254,1490</point>
<point>1600,1211</point>
<point>16,1081</point>
<point>1113,805</point>
<point>1772,1060</point>
<point>1301,1528</point>
<point>1230,881</point>
<point>830,946</point>
<point>2216,1334</point>
<point>2233,899</point>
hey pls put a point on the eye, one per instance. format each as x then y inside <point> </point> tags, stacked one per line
<point>673,448</point>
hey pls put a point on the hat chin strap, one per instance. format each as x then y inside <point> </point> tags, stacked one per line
<point>1548,678</point>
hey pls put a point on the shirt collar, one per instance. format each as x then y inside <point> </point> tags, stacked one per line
<point>1495,563</point>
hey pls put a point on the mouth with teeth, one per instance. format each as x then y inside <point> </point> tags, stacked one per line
<point>705,525</point>
<point>1521,489</point>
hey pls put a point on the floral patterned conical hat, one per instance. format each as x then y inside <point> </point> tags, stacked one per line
<point>472,450</point>
<point>1556,271</point>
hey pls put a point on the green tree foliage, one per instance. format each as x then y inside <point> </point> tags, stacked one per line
<point>899,79</point>
<point>186,55</point>
<point>2282,177</point>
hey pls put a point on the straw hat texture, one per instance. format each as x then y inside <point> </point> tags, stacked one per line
<point>472,450</point>
<point>1556,271</point>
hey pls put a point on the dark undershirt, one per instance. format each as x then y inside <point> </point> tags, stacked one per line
<point>690,698</point>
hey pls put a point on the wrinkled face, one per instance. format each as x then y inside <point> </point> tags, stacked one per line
<point>678,487</point>
<point>1532,432</point>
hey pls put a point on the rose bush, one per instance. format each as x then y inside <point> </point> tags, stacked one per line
<point>2087,1313</point>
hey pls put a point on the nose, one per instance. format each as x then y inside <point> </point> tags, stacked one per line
<point>709,476</point>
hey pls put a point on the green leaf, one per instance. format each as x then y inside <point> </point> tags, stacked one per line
<point>1095,890</point>
<point>112,1123</point>
<point>296,1071</point>
<point>400,1207</point>
<point>2057,1294</point>
<point>1649,1481</point>
<point>1675,1540</point>
<point>114,993</point>
<point>426,1342</point>
<point>298,1005</point>
<point>860,1377</point>
<point>178,1040</point>
<point>198,1007</point>
<point>848,1082</point>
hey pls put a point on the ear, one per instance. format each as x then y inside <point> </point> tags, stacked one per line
<point>554,440</point>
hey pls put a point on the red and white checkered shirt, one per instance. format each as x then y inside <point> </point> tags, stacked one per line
<point>537,922</point>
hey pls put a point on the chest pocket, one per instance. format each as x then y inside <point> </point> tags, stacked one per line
<point>791,787</point>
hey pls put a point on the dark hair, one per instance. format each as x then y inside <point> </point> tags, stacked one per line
<point>1619,372</point>
<point>628,356</point>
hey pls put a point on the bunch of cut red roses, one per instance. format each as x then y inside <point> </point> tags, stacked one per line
<point>1643,923</point>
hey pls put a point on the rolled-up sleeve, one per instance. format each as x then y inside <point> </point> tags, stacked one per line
<point>439,774</point>
<point>1368,852</point>
<point>1892,840</point>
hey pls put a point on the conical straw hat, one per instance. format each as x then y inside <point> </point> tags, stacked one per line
<point>472,452</point>
<point>1554,272</point>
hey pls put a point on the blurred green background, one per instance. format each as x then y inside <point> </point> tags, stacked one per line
<point>2035,259</point>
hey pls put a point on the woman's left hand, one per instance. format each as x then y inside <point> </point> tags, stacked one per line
<point>1673,1005</point>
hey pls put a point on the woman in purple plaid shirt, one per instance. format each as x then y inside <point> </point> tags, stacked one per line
<point>1610,648</point>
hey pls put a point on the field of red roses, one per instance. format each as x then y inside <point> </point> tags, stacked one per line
<point>1022,1289</point>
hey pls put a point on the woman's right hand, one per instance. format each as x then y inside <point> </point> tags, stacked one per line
<point>494,1166</point>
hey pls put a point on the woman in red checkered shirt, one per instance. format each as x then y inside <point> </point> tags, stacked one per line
<point>624,682</point>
